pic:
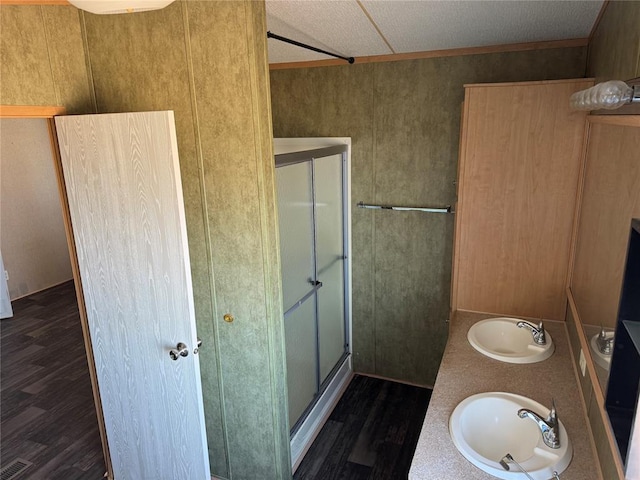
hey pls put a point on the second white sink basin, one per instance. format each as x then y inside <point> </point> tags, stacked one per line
<point>485,427</point>
<point>500,338</point>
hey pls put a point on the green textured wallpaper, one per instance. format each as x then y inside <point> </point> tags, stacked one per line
<point>42,59</point>
<point>230,82</point>
<point>139,63</point>
<point>614,52</point>
<point>404,121</point>
<point>329,102</point>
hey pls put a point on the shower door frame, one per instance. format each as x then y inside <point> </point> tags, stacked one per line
<point>331,388</point>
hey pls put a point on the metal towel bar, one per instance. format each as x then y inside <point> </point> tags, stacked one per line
<point>445,209</point>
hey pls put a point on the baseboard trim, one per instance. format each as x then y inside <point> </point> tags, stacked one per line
<point>57,284</point>
<point>388,379</point>
<point>308,431</point>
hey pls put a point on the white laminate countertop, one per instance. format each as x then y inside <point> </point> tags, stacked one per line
<point>464,372</point>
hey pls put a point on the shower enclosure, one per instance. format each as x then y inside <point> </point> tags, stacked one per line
<point>312,180</point>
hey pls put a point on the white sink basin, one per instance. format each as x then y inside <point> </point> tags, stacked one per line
<point>485,427</point>
<point>501,339</point>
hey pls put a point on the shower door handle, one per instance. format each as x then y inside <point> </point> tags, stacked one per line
<point>316,285</point>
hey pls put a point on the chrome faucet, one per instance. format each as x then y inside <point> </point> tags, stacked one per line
<point>538,332</point>
<point>549,427</point>
<point>604,342</point>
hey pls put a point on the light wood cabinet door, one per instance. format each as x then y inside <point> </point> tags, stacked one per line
<point>517,183</point>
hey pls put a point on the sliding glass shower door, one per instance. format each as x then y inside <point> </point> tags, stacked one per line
<point>311,206</point>
<point>330,260</point>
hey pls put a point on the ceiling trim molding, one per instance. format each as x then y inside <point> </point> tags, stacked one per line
<point>513,47</point>
<point>35,2</point>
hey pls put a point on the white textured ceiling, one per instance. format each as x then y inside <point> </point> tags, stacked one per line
<point>350,27</point>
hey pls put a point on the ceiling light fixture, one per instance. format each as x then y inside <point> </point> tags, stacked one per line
<point>608,95</point>
<point>104,7</point>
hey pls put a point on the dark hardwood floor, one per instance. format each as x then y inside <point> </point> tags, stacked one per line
<point>371,434</point>
<point>47,411</point>
<point>48,416</point>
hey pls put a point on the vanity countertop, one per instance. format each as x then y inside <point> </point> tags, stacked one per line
<point>464,372</point>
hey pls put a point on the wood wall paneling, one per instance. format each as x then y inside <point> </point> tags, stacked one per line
<point>518,188</point>
<point>610,199</point>
<point>455,256</point>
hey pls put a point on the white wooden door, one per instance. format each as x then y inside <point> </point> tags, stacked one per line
<point>123,182</point>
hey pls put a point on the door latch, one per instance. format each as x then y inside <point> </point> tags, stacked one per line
<point>181,350</point>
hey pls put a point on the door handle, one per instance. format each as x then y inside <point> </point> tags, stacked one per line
<point>181,350</point>
<point>198,345</point>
